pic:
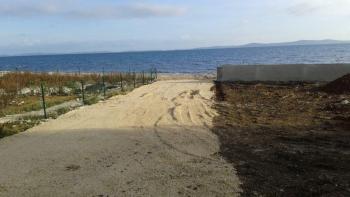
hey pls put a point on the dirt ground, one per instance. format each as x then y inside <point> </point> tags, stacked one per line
<point>285,139</point>
<point>155,141</point>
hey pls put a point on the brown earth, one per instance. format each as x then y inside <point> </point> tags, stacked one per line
<point>339,86</point>
<point>285,139</point>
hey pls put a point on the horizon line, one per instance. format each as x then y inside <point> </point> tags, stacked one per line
<point>262,45</point>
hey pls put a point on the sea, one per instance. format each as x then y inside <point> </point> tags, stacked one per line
<point>178,61</point>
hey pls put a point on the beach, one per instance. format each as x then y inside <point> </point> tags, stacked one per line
<point>154,141</point>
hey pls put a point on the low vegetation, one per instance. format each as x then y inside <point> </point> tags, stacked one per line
<point>18,84</point>
<point>20,92</point>
<point>12,128</point>
<point>32,103</point>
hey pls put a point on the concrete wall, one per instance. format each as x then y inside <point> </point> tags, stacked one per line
<point>299,72</point>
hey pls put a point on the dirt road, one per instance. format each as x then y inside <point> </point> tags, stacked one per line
<point>154,141</point>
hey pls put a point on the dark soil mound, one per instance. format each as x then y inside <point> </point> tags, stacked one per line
<point>284,140</point>
<point>339,86</point>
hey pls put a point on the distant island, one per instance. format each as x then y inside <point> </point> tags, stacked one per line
<point>295,43</point>
<point>250,45</point>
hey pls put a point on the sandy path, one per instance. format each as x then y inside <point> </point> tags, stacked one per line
<point>154,141</point>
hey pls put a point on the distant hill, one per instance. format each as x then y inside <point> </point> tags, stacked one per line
<point>296,43</point>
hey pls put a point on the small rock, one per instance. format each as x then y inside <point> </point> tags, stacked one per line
<point>345,102</point>
<point>72,167</point>
<point>25,91</point>
<point>66,90</point>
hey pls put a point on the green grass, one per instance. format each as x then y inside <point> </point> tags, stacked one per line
<point>91,100</point>
<point>26,123</point>
<point>12,128</point>
<point>33,103</point>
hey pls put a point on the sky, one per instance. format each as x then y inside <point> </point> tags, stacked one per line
<point>68,26</point>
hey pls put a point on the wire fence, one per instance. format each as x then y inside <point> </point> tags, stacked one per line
<point>50,94</point>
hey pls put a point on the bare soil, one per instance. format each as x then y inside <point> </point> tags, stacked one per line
<point>339,86</point>
<point>285,139</point>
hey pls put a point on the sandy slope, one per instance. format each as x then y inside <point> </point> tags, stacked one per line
<point>154,141</point>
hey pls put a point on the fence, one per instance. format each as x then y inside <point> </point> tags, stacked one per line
<point>297,72</point>
<point>51,94</point>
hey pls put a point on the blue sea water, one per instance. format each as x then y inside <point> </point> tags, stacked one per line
<point>182,61</point>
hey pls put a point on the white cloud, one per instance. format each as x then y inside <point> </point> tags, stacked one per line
<point>89,12</point>
<point>324,7</point>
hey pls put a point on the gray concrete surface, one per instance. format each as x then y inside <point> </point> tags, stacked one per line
<point>296,72</point>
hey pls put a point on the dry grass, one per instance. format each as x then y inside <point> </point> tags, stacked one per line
<point>11,83</point>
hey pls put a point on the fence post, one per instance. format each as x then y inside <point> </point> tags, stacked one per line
<point>43,99</point>
<point>103,83</point>
<point>121,81</point>
<point>83,91</point>
<point>156,73</point>
<point>134,80</point>
<point>143,77</point>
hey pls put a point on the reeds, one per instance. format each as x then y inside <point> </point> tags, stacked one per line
<point>12,83</point>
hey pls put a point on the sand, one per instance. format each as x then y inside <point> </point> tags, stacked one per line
<point>155,141</point>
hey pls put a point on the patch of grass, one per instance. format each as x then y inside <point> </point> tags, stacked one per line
<point>33,103</point>
<point>57,113</point>
<point>91,100</point>
<point>12,128</point>
<point>63,110</point>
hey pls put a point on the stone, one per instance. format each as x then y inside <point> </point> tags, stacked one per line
<point>345,102</point>
<point>25,91</point>
<point>66,90</point>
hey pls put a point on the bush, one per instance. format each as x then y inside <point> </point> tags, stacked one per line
<point>91,100</point>
<point>12,128</point>
<point>63,110</point>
